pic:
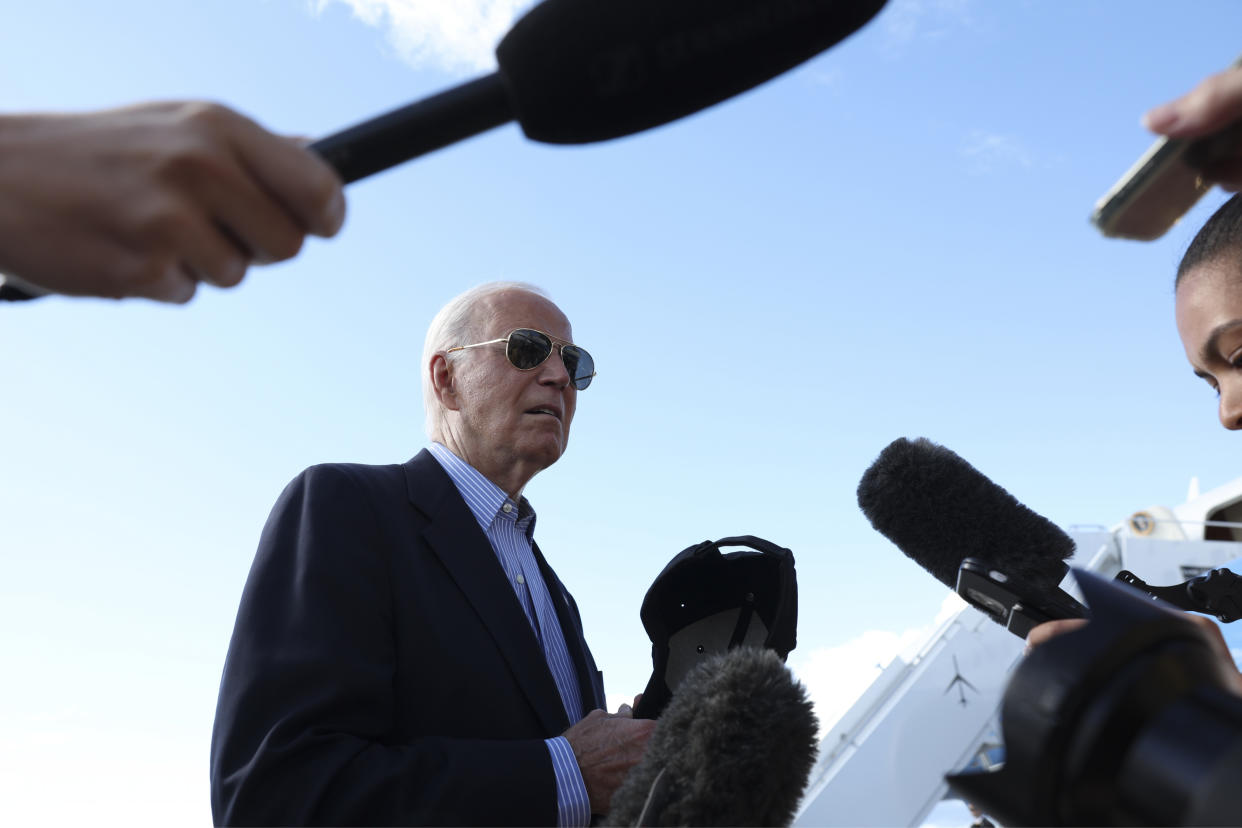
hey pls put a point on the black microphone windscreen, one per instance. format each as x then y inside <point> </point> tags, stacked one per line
<point>735,746</point>
<point>574,71</point>
<point>938,509</point>
<point>588,71</point>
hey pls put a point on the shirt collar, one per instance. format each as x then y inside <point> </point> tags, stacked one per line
<point>486,500</point>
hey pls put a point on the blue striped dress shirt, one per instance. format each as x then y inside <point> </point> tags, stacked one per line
<point>509,528</point>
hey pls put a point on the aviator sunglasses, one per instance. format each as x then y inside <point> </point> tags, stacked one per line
<point>527,348</point>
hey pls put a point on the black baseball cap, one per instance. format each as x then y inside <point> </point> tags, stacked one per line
<point>706,602</point>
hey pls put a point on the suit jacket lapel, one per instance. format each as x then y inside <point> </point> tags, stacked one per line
<point>592,695</point>
<point>454,535</point>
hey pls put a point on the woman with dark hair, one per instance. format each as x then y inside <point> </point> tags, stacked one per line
<point>1209,307</point>
<point>1209,279</point>
<point>1208,286</point>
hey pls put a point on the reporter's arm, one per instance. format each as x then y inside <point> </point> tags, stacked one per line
<point>149,200</point>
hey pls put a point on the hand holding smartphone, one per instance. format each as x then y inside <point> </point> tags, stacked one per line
<point>1165,182</point>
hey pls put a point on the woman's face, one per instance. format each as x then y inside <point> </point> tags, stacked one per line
<point>1209,321</point>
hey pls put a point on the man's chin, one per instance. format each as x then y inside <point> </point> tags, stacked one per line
<point>544,453</point>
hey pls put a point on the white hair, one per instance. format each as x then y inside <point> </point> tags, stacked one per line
<point>457,324</point>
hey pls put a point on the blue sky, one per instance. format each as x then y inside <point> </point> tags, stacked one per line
<point>889,241</point>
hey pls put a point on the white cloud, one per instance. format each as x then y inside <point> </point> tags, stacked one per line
<point>907,20</point>
<point>836,676</point>
<point>452,35</point>
<point>826,77</point>
<point>987,152</point>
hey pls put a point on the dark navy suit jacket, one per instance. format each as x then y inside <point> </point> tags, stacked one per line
<point>381,669</point>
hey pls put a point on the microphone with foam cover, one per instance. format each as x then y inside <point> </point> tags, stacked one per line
<point>577,71</point>
<point>735,746</point>
<point>957,524</point>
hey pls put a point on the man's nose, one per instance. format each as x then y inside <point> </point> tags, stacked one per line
<point>553,369</point>
<point>1231,403</point>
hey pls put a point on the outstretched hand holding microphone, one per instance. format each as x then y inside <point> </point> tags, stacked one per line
<point>152,200</point>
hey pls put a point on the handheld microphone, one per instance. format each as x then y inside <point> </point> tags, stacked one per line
<point>577,71</point>
<point>969,533</point>
<point>735,746</point>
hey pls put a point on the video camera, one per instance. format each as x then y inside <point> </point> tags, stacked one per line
<point>1131,720</point>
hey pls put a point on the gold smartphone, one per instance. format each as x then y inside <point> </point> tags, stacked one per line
<point>1162,185</point>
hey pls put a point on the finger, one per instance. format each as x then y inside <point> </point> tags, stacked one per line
<point>1214,635</point>
<point>180,231</point>
<point>212,255</point>
<point>1051,629</point>
<point>1215,103</point>
<point>212,207</point>
<point>111,270</point>
<point>175,285</point>
<point>176,290</point>
<point>625,711</point>
<point>163,279</point>
<point>296,177</point>
<point>248,214</point>
<point>1216,640</point>
<point>1227,174</point>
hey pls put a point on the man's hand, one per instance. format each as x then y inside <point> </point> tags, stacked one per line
<point>1212,105</point>
<point>1049,630</point>
<point>606,747</point>
<point>1229,670</point>
<point>150,200</point>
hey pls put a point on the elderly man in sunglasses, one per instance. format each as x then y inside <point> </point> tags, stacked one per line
<point>403,653</point>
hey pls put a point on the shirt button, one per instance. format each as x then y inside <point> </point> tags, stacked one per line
<point>521,578</point>
<point>507,508</point>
